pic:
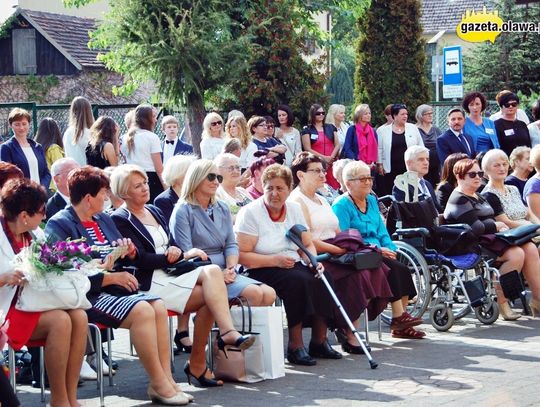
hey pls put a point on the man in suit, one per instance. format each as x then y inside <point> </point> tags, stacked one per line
<point>417,161</point>
<point>454,140</point>
<point>60,171</point>
<point>172,145</point>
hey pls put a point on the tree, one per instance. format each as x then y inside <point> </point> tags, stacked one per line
<point>186,47</point>
<point>340,85</point>
<point>390,56</point>
<point>276,71</point>
<point>512,61</point>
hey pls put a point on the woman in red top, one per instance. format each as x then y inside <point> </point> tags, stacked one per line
<point>63,332</point>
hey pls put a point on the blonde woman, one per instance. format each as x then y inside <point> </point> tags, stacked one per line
<point>142,147</point>
<point>77,134</point>
<point>236,128</point>
<point>213,136</point>
<point>229,192</point>
<point>336,116</point>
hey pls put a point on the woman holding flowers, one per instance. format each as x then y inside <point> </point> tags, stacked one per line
<point>64,332</point>
<point>114,298</point>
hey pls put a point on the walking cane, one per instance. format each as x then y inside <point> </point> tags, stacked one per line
<point>295,235</point>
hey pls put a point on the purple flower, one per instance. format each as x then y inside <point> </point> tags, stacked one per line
<point>60,246</point>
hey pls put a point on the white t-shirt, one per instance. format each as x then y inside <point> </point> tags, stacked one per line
<point>324,221</point>
<point>76,151</point>
<point>211,147</point>
<point>145,143</point>
<point>253,219</point>
<point>32,163</point>
<point>534,132</point>
<point>247,157</point>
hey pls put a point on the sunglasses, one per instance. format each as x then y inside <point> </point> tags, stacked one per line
<point>212,177</point>
<point>320,114</point>
<point>474,174</point>
<point>218,123</point>
<point>510,104</point>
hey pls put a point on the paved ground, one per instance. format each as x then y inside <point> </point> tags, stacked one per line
<point>471,365</point>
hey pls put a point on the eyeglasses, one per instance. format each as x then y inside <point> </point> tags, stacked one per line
<point>270,126</point>
<point>218,123</point>
<point>510,104</point>
<point>212,177</point>
<point>320,114</point>
<point>363,180</point>
<point>428,114</point>
<point>231,168</point>
<point>317,171</point>
<point>474,174</point>
<point>262,125</point>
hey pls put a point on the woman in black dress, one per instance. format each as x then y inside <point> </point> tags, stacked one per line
<point>103,149</point>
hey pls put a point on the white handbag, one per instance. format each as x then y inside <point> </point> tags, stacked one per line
<point>67,291</point>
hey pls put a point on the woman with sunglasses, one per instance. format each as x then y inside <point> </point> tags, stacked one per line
<point>393,141</point>
<point>511,132</point>
<point>467,206</point>
<point>321,139</point>
<point>201,220</point>
<point>213,136</point>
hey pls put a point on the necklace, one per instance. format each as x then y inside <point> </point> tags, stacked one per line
<point>273,218</point>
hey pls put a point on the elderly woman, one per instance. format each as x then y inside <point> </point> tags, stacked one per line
<point>200,220</point>
<point>521,169</point>
<point>336,116</point>
<point>235,197</point>
<point>531,191</point>
<point>534,127</point>
<point>429,133</point>
<point>142,146</point>
<point>321,139</point>
<point>337,169</point>
<point>255,187</point>
<point>511,132</point>
<point>113,296</point>
<point>270,257</point>
<point>24,152</point>
<point>213,136</point>
<point>467,206</point>
<point>360,141</point>
<point>287,134</point>
<point>64,332</point>
<point>479,128</point>
<point>448,179</point>
<point>358,209</point>
<point>394,139</point>
<point>272,146</point>
<point>201,290</point>
<point>357,290</point>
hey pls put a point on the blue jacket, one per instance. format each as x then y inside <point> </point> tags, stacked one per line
<point>180,148</point>
<point>166,201</point>
<point>11,152</point>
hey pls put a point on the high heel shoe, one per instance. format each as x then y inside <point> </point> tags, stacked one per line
<point>534,305</point>
<point>202,380</point>
<point>179,390</point>
<point>243,342</point>
<point>179,399</point>
<point>178,342</point>
<point>507,313</point>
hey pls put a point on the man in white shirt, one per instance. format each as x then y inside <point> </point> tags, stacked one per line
<point>172,145</point>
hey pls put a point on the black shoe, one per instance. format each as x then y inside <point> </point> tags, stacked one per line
<point>180,347</point>
<point>340,336</point>
<point>202,380</point>
<point>114,363</point>
<point>353,349</point>
<point>323,350</point>
<point>243,342</point>
<point>300,357</point>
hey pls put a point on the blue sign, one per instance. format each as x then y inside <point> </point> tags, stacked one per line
<point>452,72</point>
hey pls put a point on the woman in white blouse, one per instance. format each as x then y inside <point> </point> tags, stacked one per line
<point>213,136</point>
<point>77,135</point>
<point>287,134</point>
<point>235,197</point>
<point>336,116</point>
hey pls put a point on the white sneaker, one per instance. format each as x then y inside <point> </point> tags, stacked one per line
<point>87,373</point>
<point>91,359</point>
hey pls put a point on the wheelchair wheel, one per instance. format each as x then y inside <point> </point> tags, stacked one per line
<point>487,313</point>
<point>441,317</point>
<point>415,262</point>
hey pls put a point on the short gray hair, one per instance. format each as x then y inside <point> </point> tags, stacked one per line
<point>176,168</point>
<point>414,151</point>
<point>352,169</point>
<point>491,156</point>
<point>420,111</point>
<point>58,165</point>
<point>120,176</point>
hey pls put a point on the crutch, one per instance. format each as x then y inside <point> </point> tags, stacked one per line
<point>295,235</point>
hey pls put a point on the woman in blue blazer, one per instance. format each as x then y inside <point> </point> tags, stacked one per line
<point>24,152</point>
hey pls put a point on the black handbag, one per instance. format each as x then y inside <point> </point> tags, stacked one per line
<point>185,266</point>
<point>366,258</point>
<point>512,285</point>
<point>118,290</point>
<point>520,235</point>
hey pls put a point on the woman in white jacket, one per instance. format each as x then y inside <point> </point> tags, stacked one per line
<point>393,140</point>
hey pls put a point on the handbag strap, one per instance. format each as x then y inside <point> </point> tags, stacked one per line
<point>244,305</point>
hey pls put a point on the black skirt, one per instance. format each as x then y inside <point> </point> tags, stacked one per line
<point>303,295</point>
<point>400,280</point>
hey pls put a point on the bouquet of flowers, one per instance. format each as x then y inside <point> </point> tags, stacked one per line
<point>42,258</point>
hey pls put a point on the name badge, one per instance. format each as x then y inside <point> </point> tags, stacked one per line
<point>509,132</point>
<point>314,137</point>
<point>490,131</point>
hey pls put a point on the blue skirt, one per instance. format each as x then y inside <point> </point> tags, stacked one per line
<point>237,286</point>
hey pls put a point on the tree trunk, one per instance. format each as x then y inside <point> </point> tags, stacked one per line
<point>196,113</point>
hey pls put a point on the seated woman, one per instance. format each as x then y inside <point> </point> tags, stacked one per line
<point>64,332</point>
<point>228,166</point>
<point>531,191</point>
<point>144,315</point>
<point>201,290</point>
<point>255,188</point>
<point>201,221</point>
<point>357,290</point>
<point>521,169</point>
<point>272,258</point>
<point>358,209</point>
<point>448,179</point>
<point>466,206</point>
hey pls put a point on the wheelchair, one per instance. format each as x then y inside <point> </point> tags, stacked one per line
<point>451,286</point>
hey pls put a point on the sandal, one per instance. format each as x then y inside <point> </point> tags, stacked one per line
<point>408,333</point>
<point>404,321</point>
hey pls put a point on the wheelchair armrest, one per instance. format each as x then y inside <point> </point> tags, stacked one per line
<point>384,199</point>
<point>411,232</point>
<point>323,256</point>
<point>459,226</point>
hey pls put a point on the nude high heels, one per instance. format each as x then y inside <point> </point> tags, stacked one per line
<point>535,307</point>
<point>508,314</point>
<point>179,399</point>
